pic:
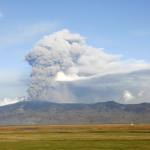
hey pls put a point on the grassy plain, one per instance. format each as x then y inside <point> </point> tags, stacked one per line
<point>75,137</point>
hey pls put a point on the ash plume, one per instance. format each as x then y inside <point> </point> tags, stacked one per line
<point>66,57</point>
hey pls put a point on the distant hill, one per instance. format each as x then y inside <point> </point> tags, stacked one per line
<point>42,112</point>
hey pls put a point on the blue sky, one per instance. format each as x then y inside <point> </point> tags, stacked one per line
<point>120,27</point>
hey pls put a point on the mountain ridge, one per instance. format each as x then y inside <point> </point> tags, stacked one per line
<point>43,112</point>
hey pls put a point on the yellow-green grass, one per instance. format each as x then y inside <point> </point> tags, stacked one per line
<point>75,137</point>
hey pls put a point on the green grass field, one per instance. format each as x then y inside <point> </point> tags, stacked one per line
<point>75,137</point>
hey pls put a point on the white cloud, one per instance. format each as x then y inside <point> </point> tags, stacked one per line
<point>60,76</point>
<point>128,96</point>
<point>8,101</point>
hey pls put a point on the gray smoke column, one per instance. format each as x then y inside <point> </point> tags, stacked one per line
<point>66,57</point>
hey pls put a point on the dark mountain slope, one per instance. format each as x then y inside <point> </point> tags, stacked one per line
<point>41,112</point>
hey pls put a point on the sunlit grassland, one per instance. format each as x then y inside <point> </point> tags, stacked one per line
<point>75,137</point>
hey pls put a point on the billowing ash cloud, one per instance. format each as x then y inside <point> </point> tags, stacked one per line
<point>65,56</point>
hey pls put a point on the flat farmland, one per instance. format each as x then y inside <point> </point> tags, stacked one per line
<point>75,137</point>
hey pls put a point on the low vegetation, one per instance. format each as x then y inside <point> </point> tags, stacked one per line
<point>75,137</point>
